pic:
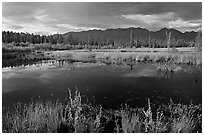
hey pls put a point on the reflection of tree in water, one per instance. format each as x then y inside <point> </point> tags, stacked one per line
<point>196,73</point>
<point>61,63</point>
<point>196,77</point>
<point>70,67</point>
<point>166,70</point>
<point>165,74</point>
<point>131,67</point>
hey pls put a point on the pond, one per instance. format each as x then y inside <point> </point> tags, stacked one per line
<point>99,83</point>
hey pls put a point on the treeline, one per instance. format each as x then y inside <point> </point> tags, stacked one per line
<point>17,38</point>
<point>62,42</point>
<point>9,37</point>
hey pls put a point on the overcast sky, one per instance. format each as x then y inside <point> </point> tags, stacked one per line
<point>50,18</point>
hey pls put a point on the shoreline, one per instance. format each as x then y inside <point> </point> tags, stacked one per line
<point>147,55</point>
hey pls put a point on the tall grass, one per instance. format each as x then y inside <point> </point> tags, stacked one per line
<point>193,58</point>
<point>178,58</point>
<point>72,115</point>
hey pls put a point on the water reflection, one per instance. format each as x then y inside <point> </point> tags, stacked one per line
<point>131,67</point>
<point>146,71</point>
<point>108,85</point>
<point>165,74</point>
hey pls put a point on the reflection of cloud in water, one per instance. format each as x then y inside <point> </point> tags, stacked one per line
<point>44,78</point>
<point>40,67</point>
<point>141,73</point>
<point>80,64</point>
<point>47,75</point>
<point>4,91</point>
<point>28,68</point>
<point>8,75</point>
<point>6,69</point>
<point>44,81</point>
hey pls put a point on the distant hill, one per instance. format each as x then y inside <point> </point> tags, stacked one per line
<point>123,35</point>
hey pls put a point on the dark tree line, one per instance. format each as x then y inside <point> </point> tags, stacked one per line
<point>198,41</point>
<point>100,42</point>
<point>9,37</point>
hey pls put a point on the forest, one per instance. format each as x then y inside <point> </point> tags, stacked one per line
<point>97,39</point>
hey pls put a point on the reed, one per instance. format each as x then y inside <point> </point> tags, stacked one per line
<point>72,115</point>
<point>192,58</point>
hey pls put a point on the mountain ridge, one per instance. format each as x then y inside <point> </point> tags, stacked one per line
<point>123,34</point>
<point>165,28</point>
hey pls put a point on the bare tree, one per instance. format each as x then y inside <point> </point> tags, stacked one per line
<point>198,42</point>
<point>149,41</point>
<point>168,39</point>
<point>131,37</point>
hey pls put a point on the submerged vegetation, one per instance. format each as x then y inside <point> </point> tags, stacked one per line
<point>72,115</point>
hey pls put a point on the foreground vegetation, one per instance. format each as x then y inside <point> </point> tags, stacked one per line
<point>72,115</point>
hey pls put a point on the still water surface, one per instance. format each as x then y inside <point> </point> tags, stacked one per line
<point>108,85</point>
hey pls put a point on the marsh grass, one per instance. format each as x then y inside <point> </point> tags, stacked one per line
<point>179,57</point>
<point>72,115</point>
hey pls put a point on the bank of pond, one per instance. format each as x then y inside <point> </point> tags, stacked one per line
<point>189,58</point>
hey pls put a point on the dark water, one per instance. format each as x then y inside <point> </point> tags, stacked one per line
<point>108,85</point>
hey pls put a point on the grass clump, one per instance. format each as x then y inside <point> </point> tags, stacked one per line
<point>72,115</point>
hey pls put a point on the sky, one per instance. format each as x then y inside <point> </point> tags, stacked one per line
<point>61,17</point>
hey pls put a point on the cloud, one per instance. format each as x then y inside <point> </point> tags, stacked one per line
<point>150,19</point>
<point>41,16</point>
<point>169,20</point>
<point>30,27</point>
<point>185,10</point>
<point>181,23</point>
<point>17,27</point>
<point>74,28</point>
<point>61,17</point>
<point>9,75</point>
